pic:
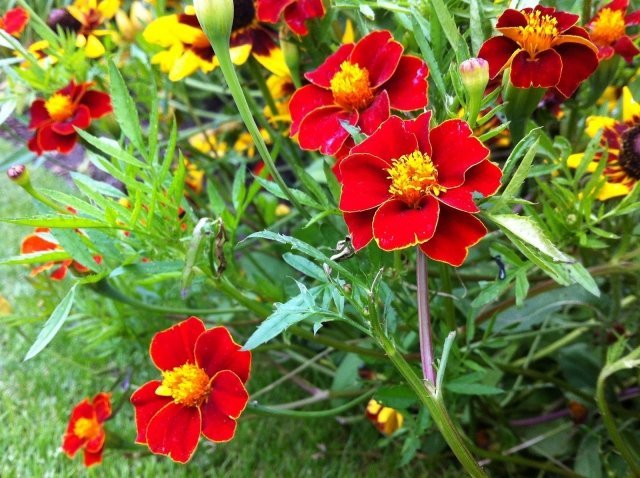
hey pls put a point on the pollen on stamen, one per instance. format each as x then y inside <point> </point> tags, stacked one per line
<point>187,385</point>
<point>350,87</point>
<point>608,27</point>
<point>59,107</point>
<point>539,33</point>
<point>413,176</point>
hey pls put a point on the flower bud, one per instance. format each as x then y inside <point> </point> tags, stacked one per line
<point>19,174</point>
<point>216,19</point>
<point>475,75</point>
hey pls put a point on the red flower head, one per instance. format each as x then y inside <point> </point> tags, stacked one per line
<point>14,21</point>
<point>608,30</point>
<point>295,12</point>
<point>41,241</point>
<point>407,185</point>
<point>201,391</point>
<point>54,119</point>
<point>358,84</point>
<point>85,429</point>
<point>544,49</point>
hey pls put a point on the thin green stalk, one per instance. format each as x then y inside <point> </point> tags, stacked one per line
<point>265,410</point>
<point>449,307</point>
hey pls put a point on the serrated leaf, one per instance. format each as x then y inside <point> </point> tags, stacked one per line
<point>63,222</point>
<point>111,148</point>
<point>125,109</point>
<point>36,258</point>
<point>53,324</point>
<point>304,265</point>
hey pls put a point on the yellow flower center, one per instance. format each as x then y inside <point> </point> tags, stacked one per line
<point>607,27</point>
<point>350,87</point>
<point>86,428</point>
<point>59,107</point>
<point>412,177</point>
<point>187,385</point>
<point>539,33</point>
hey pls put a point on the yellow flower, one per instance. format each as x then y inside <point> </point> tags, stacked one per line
<point>208,143</point>
<point>245,145</point>
<point>91,14</point>
<point>386,419</point>
<point>194,178</point>
<point>129,25</point>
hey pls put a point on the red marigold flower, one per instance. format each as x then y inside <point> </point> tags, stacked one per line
<point>201,392</point>
<point>407,185</point>
<point>544,49</point>
<point>54,119</point>
<point>14,21</point>
<point>85,429</point>
<point>295,12</point>
<point>608,30</point>
<point>41,241</point>
<point>358,84</point>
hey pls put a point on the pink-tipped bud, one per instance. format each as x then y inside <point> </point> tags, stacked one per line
<point>475,75</point>
<point>19,174</point>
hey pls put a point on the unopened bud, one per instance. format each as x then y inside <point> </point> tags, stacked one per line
<point>475,75</point>
<point>216,19</point>
<point>19,174</point>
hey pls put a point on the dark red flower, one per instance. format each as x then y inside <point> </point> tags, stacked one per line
<point>544,49</point>
<point>54,119</point>
<point>407,185</point>
<point>85,429</point>
<point>358,85</point>
<point>14,21</point>
<point>295,12</point>
<point>608,30</point>
<point>202,390</point>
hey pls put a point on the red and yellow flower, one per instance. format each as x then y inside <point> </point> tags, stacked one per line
<point>14,21</point>
<point>408,185</point>
<point>86,430</point>
<point>54,119</point>
<point>386,419</point>
<point>359,84</point>
<point>608,29</point>
<point>544,49</point>
<point>295,13</point>
<point>186,48</point>
<point>201,392</point>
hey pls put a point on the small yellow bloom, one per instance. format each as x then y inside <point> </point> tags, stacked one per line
<point>207,143</point>
<point>245,145</point>
<point>386,419</point>
<point>194,178</point>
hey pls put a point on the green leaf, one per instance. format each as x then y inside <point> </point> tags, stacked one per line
<point>475,25</point>
<point>239,188</point>
<point>63,222</point>
<point>36,258</point>
<point>103,188</point>
<point>111,148</point>
<point>72,243</point>
<point>450,30</point>
<point>125,109</point>
<point>53,324</point>
<point>302,197</point>
<point>518,151</point>
<point>305,266</point>
<point>396,396</point>
<point>462,388</point>
<point>420,25</point>
<point>521,173</point>
<point>588,463</point>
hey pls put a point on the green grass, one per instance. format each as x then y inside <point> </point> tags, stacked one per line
<point>36,398</point>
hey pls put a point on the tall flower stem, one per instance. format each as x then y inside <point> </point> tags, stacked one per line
<point>424,318</point>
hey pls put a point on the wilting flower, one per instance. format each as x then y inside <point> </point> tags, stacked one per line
<point>187,48</point>
<point>543,48</point>
<point>14,21</point>
<point>54,119</point>
<point>386,419</point>
<point>608,30</point>
<point>201,392</point>
<point>621,141</point>
<point>296,13</point>
<point>407,185</point>
<point>133,22</point>
<point>86,430</point>
<point>358,85</point>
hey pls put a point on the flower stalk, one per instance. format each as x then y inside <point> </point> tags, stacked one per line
<point>424,318</point>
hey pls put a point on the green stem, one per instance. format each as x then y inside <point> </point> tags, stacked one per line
<point>44,200</point>
<point>449,307</point>
<point>265,410</point>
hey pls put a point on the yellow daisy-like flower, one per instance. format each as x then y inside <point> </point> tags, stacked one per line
<point>186,48</point>
<point>386,419</point>
<point>208,143</point>
<point>621,140</point>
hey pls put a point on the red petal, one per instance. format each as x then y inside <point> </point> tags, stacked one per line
<point>146,404</point>
<point>456,232</point>
<point>541,72</point>
<point>36,243</point>
<point>339,155</point>
<point>218,427</point>
<point>396,225</point>
<point>321,129</point>
<point>322,75</point>
<point>39,114</point>
<point>360,225</point>
<point>81,119</point>
<point>298,13</point>
<point>49,140</point>
<point>420,128</point>
<point>305,100</point>
<point>99,103</point>
<point>626,48</point>
<point>270,10</point>
<point>96,445</point>
<point>228,395</point>
<point>174,347</point>
<point>633,18</point>
<point>71,443</point>
<point>565,20</point>
<point>408,87</point>
<point>578,63</point>
<point>455,150</point>
<point>390,141</point>
<point>379,54</point>
<point>91,459</point>
<point>498,51</point>
<point>375,114</point>
<point>14,21</point>
<point>511,18</point>
<point>365,182</point>
<point>483,178</point>
<point>175,431</point>
<point>617,5</point>
<point>61,272</point>
<point>102,406</point>
<point>33,144</point>
<point>216,350</point>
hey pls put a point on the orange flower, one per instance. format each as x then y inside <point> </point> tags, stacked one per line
<point>85,429</point>
<point>608,30</point>
<point>14,21</point>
